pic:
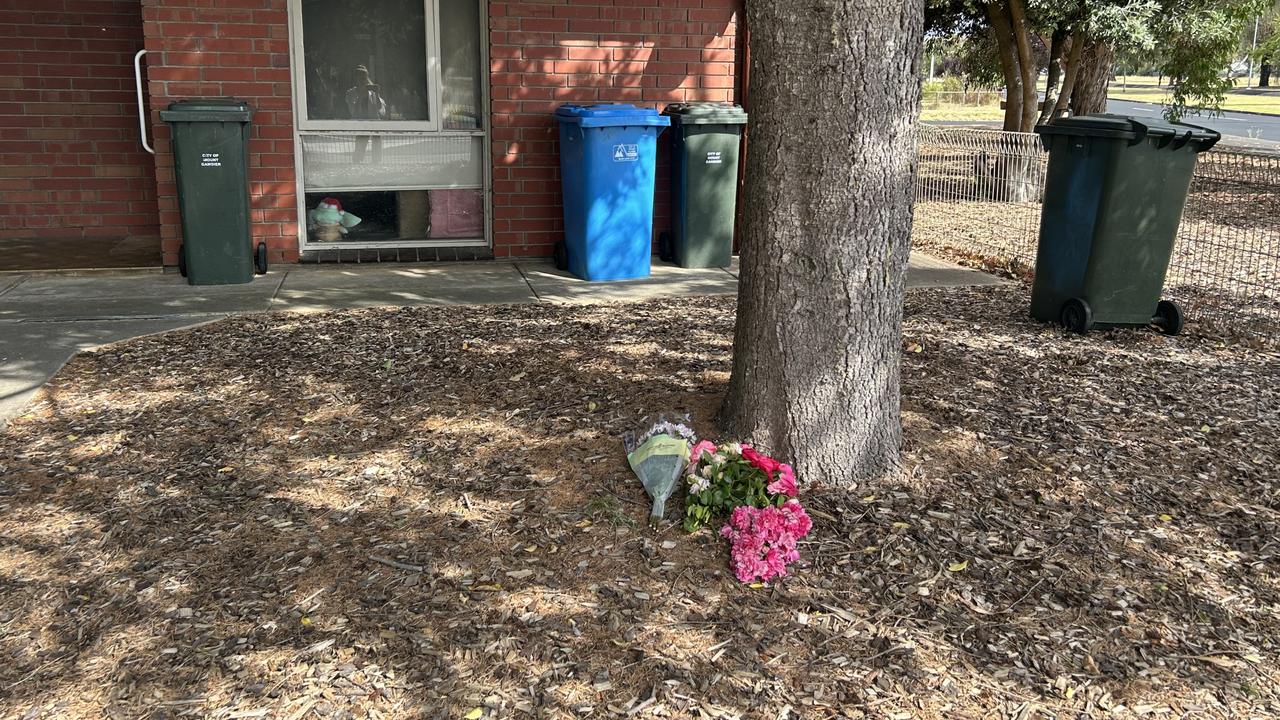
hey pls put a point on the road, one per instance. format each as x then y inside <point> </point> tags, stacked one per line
<point>1239,130</point>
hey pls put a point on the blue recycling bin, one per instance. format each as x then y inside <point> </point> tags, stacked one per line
<point>607,160</point>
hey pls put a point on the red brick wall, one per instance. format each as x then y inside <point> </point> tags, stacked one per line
<point>237,48</point>
<point>545,53</point>
<point>71,164</point>
<point>542,53</point>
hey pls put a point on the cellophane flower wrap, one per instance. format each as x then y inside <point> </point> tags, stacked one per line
<point>757,494</point>
<point>658,453</point>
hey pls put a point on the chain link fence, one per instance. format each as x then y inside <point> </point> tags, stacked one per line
<point>978,196</point>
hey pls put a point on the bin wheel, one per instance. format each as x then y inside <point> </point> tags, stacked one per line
<point>560,256</point>
<point>260,259</point>
<point>182,260</point>
<point>1168,319</point>
<point>666,249</point>
<point>1076,316</point>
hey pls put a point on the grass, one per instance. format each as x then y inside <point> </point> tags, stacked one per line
<point>1138,88</point>
<point>958,113</point>
<point>946,100</point>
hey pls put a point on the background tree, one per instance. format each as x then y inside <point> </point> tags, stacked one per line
<point>827,224</point>
<point>1198,46</point>
<point>1268,49</point>
<point>1192,41</point>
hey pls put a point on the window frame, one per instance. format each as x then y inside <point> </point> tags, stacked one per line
<point>304,125</point>
<point>435,93</point>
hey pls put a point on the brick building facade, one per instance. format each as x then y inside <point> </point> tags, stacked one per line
<point>71,165</point>
<point>233,48</point>
<point>535,55</point>
<point>543,55</point>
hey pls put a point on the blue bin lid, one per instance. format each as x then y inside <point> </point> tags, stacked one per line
<point>610,115</point>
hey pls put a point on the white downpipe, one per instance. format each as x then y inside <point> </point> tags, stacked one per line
<point>142,111</point>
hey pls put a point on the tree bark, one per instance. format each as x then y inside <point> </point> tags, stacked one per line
<point>998,18</point>
<point>1090,92</point>
<point>830,179</point>
<point>1264,74</point>
<point>1026,66</point>
<point>1073,70</point>
<point>1056,41</point>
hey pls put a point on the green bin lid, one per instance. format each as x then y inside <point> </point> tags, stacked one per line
<point>223,109</point>
<point>1133,129</point>
<point>706,113</point>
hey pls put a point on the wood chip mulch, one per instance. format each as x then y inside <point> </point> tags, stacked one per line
<point>422,513</point>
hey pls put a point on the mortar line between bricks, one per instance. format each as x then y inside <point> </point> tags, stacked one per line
<point>524,277</point>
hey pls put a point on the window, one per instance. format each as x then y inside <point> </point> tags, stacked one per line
<point>366,60</point>
<point>384,64</point>
<point>406,216</point>
<point>460,65</point>
<point>390,103</point>
<point>338,161</point>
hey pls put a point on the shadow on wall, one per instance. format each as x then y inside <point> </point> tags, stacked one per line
<point>649,63</point>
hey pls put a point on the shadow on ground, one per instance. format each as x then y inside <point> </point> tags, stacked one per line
<point>426,511</point>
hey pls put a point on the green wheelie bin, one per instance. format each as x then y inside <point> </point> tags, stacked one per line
<point>1113,199</point>
<point>704,183</point>
<point>211,165</point>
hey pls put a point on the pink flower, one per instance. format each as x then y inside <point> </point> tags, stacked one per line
<point>764,539</point>
<point>695,454</point>
<point>784,483</point>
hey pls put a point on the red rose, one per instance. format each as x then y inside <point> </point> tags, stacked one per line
<point>765,463</point>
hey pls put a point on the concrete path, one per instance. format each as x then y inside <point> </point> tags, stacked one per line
<point>47,318</point>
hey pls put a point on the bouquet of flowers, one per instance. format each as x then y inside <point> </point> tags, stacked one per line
<point>657,456</point>
<point>764,539</point>
<point>721,478</point>
<point>758,494</point>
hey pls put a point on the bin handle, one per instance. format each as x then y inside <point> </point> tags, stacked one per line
<point>142,112</point>
<point>1183,139</point>
<point>1142,131</point>
<point>1210,141</point>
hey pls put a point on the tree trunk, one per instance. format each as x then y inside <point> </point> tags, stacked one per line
<point>827,233</point>
<point>1056,41</point>
<point>999,20</point>
<point>1090,92</point>
<point>1264,74</point>
<point>1026,66</point>
<point>1073,70</point>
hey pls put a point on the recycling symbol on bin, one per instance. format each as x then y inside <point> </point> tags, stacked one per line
<point>626,153</point>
